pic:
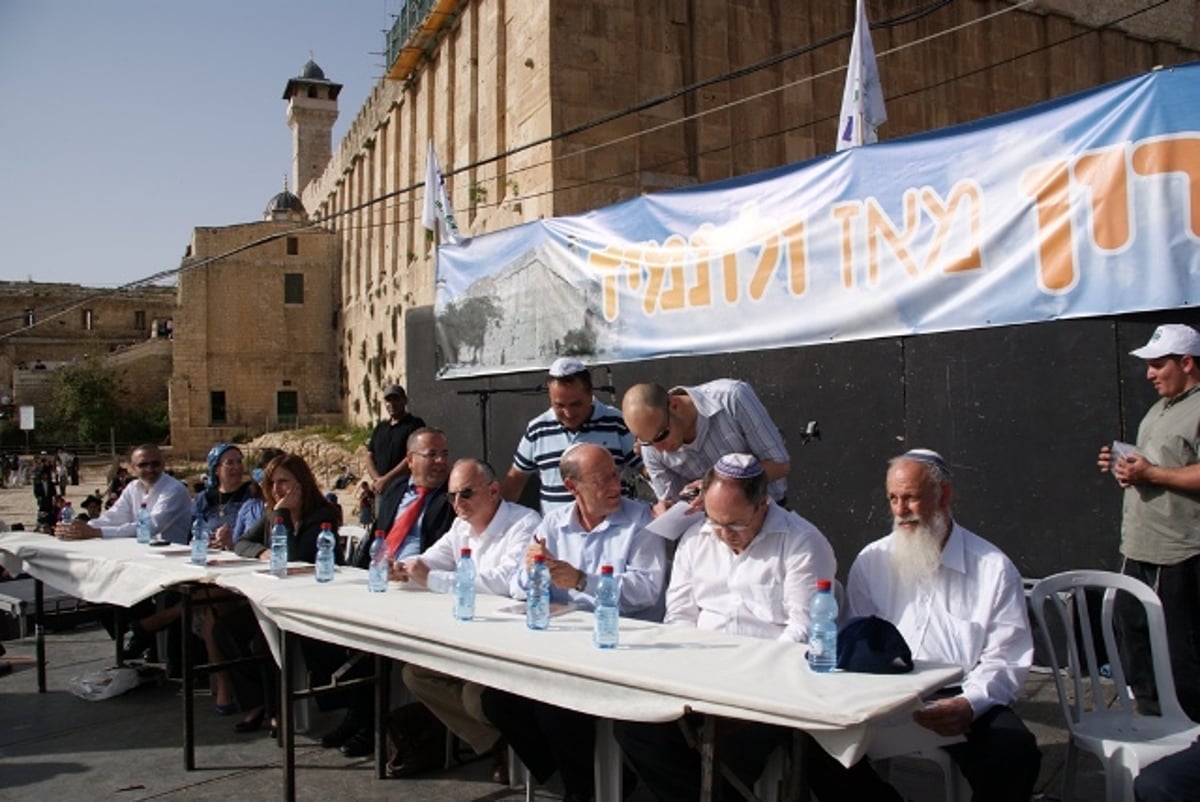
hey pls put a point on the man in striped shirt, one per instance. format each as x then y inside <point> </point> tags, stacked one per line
<point>575,416</point>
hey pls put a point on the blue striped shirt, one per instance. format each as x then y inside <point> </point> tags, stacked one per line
<point>546,439</point>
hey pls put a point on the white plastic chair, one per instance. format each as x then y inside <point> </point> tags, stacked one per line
<point>903,737</point>
<point>350,534</point>
<point>1123,740</point>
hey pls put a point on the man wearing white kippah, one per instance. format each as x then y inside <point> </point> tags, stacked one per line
<point>575,416</point>
<point>956,599</point>
<point>749,568</point>
<point>1160,521</point>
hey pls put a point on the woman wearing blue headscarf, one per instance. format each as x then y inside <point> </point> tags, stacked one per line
<point>228,488</point>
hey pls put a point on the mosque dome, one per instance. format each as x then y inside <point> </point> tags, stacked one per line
<point>285,206</point>
<point>312,72</point>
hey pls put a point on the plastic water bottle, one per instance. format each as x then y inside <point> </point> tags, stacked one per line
<point>143,524</point>
<point>200,538</point>
<point>377,572</point>
<point>537,600</point>
<point>606,628</point>
<point>822,628</point>
<point>279,548</point>
<point>67,514</point>
<point>326,543</point>
<point>464,587</point>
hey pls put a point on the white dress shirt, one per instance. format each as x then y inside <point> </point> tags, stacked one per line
<point>764,592</point>
<point>638,557</point>
<point>971,614</point>
<point>167,501</point>
<point>497,551</point>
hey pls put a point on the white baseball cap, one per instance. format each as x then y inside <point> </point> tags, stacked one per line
<point>1170,339</point>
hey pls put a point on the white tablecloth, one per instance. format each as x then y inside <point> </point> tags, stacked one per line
<point>658,673</point>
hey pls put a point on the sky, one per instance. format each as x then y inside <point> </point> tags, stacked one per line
<point>124,124</point>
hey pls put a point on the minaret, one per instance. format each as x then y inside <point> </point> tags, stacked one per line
<point>312,111</point>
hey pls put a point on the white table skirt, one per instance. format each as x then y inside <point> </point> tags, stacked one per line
<point>658,673</point>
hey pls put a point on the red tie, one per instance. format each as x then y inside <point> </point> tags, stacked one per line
<point>405,519</point>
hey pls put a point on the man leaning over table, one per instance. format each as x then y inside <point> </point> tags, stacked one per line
<point>750,568</point>
<point>166,498</point>
<point>956,599</point>
<point>497,532</point>
<point>600,527</point>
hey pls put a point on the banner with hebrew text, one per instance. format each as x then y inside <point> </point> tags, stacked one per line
<point>1084,206</point>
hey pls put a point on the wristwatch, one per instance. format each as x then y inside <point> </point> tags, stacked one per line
<point>581,585</point>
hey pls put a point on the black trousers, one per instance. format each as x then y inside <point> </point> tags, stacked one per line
<point>1000,759</point>
<point>546,738</point>
<point>1178,586</point>
<point>670,768</point>
<point>1175,778</point>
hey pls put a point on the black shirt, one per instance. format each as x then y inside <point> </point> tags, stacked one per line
<point>389,441</point>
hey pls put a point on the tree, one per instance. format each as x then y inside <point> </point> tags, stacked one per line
<point>85,402</point>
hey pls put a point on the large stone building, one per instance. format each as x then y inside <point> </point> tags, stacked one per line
<point>542,109</point>
<point>46,325</point>
<point>255,330</point>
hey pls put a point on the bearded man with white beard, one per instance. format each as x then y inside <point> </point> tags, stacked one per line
<point>956,599</point>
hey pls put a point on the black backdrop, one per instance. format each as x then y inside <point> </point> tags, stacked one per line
<point>1018,411</point>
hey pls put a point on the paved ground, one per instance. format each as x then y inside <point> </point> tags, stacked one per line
<point>56,746</point>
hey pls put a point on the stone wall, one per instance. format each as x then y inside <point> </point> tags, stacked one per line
<point>507,74</point>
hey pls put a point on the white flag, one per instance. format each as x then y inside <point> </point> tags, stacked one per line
<point>862,99</point>
<point>437,209</point>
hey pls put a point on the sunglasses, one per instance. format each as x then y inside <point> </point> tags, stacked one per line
<point>658,438</point>
<point>465,494</point>
<point>150,464</point>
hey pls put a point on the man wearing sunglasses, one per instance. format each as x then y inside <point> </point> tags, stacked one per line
<point>166,499</point>
<point>497,532</point>
<point>575,416</point>
<point>682,432</point>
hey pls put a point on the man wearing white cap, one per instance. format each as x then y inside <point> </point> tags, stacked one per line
<point>956,599</point>
<point>1160,522</point>
<point>749,568</point>
<point>575,416</point>
<point>387,450</point>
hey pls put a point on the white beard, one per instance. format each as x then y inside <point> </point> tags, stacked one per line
<point>917,553</point>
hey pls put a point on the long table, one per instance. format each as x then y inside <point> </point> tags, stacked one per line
<point>659,673</point>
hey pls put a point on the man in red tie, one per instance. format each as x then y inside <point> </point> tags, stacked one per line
<point>413,514</point>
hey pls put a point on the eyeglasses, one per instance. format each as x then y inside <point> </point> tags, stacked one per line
<point>733,529</point>
<point>150,464</point>
<point>662,435</point>
<point>433,454</point>
<point>465,494</point>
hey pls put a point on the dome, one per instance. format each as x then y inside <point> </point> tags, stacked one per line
<point>312,72</point>
<point>285,206</point>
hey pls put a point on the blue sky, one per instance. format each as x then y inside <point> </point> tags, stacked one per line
<point>126,123</point>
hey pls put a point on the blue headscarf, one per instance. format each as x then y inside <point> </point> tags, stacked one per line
<point>214,456</point>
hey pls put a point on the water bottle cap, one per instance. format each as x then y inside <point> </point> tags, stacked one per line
<point>606,569</point>
<point>465,552</point>
<point>379,534</point>
<point>539,558</point>
<point>327,525</point>
<point>278,519</point>
<point>823,584</point>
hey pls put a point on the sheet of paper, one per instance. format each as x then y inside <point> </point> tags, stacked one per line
<point>675,521</point>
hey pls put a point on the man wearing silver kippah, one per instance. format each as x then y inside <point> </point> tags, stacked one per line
<point>749,568</point>
<point>1160,521</point>
<point>956,599</point>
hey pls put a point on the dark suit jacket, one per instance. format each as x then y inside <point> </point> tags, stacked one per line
<point>435,521</point>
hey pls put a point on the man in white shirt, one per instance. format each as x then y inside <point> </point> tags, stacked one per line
<point>166,499</point>
<point>600,527</point>
<point>957,599</point>
<point>749,568</point>
<point>497,532</point>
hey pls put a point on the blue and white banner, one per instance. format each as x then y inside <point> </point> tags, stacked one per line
<point>1084,206</point>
